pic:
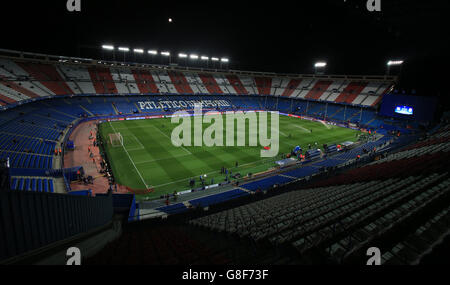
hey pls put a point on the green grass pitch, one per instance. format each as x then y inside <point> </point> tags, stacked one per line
<point>152,159</point>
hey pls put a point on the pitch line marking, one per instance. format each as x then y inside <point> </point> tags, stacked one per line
<point>171,139</point>
<point>136,148</point>
<point>300,127</point>
<point>140,175</point>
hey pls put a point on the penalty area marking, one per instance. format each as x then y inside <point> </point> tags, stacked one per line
<point>136,148</point>
<point>326,125</point>
<point>171,139</point>
<point>300,127</point>
<point>139,173</point>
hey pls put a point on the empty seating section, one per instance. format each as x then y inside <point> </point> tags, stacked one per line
<point>48,76</point>
<point>18,77</point>
<point>319,88</point>
<point>418,243</point>
<point>218,198</point>
<point>145,82</point>
<point>18,143</point>
<point>196,83</point>
<point>9,96</point>
<point>291,87</point>
<point>24,80</point>
<point>12,87</point>
<point>224,84</point>
<point>120,78</point>
<point>160,245</point>
<point>237,84</point>
<point>124,106</point>
<point>311,217</point>
<point>351,92</point>
<point>99,106</point>
<point>264,85</point>
<point>344,215</point>
<point>210,83</point>
<point>180,82</point>
<point>104,75</point>
<point>96,81</point>
<point>266,183</point>
<point>387,214</point>
<point>37,184</point>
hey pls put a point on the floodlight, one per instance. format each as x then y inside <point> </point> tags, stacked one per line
<point>320,64</point>
<point>214,59</point>
<point>193,56</point>
<point>204,58</point>
<point>152,52</point>
<point>124,49</point>
<point>224,59</point>
<point>165,53</point>
<point>182,55</point>
<point>138,50</point>
<point>108,47</point>
<point>395,62</point>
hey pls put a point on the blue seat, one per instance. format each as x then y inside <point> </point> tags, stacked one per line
<point>24,161</point>
<point>41,148</point>
<point>33,158</point>
<point>19,160</point>
<point>27,184</point>
<point>45,185</point>
<point>33,184</point>
<point>39,185</point>
<point>27,161</point>
<point>20,187</point>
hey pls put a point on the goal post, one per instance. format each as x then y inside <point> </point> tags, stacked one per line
<point>116,139</point>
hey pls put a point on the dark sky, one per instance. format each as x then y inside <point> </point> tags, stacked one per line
<point>279,36</point>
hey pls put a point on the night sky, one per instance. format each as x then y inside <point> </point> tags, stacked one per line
<point>275,36</point>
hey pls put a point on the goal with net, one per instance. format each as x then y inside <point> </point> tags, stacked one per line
<point>116,139</point>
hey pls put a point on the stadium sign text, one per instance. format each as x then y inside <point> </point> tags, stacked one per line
<point>176,104</point>
<point>214,134</point>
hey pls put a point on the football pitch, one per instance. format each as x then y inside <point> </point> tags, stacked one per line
<point>148,156</point>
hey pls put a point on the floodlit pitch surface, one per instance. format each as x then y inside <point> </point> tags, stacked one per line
<point>149,158</point>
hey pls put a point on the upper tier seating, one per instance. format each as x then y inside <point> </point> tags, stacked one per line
<point>22,80</point>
